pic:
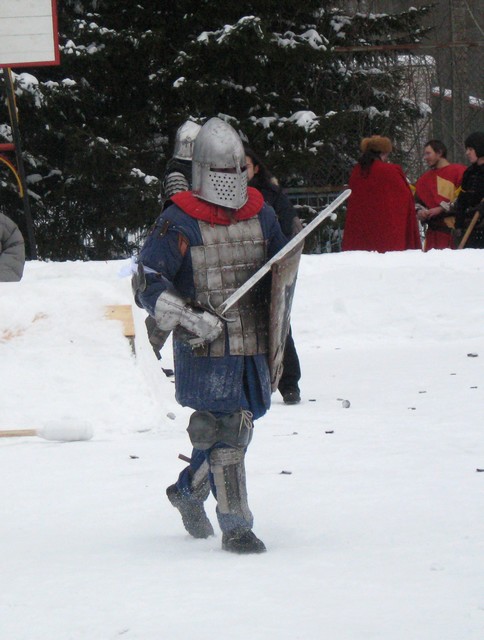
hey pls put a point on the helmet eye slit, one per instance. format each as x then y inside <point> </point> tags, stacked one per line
<point>219,165</point>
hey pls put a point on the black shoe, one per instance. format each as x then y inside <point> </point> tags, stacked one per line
<point>242,541</point>
<point>192,512</point>
<point>291,397</point>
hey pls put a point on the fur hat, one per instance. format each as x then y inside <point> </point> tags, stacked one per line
<point>476,141</point>
<point>379,144</point>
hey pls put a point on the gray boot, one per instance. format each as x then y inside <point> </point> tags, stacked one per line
<point>242,542</point>
<point>192,511</point>
<point>190,505</point>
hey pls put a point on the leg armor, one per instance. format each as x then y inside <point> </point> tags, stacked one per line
<point>200,483</point>
<point>228,469</point>
<point>225,440</point>
<point>234,429</point>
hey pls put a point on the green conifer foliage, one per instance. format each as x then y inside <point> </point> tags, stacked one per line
<point>98,129</point>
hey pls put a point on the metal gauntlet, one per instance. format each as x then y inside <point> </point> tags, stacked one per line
<point>172,310</point>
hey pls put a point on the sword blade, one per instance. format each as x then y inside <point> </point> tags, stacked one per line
<point>294,242</point>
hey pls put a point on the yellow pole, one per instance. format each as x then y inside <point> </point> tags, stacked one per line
<point>20,165</point>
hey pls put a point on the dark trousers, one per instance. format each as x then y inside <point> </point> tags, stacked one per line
<point>291,369</point>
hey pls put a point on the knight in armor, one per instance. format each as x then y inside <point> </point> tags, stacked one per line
<point>202,248</point>
<point>178,172</point>
<point>177,177</point>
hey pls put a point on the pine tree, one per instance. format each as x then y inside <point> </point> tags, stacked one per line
<point>91,140</point>
<point>99,128</point>
<point>281,79</point>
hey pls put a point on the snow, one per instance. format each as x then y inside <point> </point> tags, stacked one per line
<point>221,35</point>
<point>314,39</point>
<point>375,531</point>
<point>306,119</point>
<point>440,92</point>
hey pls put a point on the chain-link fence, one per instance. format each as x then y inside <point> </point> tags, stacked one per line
<point>327,237</point>
<point>443,75</point>
<point>446,73</point>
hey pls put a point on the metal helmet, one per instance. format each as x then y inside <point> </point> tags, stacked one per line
<point>184,139</point>
<point>219,172</point>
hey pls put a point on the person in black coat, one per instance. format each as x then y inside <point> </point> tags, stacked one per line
<point>471,198</point>
<point>260,178</point>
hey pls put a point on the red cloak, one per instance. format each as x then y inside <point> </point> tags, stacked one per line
<point>381,211</point>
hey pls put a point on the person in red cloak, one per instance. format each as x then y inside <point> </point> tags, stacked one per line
<point>381,209</point>
<point>434,190</point>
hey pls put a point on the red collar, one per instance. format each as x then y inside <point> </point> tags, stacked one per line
<point>214,214</point>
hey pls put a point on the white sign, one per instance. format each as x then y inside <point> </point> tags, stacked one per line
<point>28,33</point>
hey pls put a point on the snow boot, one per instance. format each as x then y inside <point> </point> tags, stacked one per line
<point>291,396</point>
<point>242,541</point>
<point>192,512</point>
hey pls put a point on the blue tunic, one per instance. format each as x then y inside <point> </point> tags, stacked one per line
<point>205,383</point>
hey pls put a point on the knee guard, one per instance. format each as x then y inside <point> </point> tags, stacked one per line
<point>234,429</point>
<point>202,430</point>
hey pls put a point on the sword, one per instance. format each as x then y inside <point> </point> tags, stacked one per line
<point>294,242</point>
<point>470,229</point>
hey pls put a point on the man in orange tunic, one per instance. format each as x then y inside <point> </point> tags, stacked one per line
<point>433,190</point>
<point>381,209</point>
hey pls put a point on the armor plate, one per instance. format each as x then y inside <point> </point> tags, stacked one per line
<point>229,256</point>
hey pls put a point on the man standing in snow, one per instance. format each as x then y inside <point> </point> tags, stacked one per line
<point>260,177</point>
<point>201,249</point>
<point>433,190</point>
<point>471,199</point>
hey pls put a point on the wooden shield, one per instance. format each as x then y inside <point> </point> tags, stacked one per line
<point>284,275</point>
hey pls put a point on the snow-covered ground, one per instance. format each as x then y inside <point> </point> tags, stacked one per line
<point>375,531</point>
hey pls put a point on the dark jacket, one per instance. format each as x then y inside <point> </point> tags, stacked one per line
<point>277,199</point>
<point>470,200</point>
<point>12,251</point>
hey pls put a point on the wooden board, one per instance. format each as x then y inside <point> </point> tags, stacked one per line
<point>124,313</point>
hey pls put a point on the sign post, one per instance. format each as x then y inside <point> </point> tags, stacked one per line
<point>28,33</point>
<point>28,38</point>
